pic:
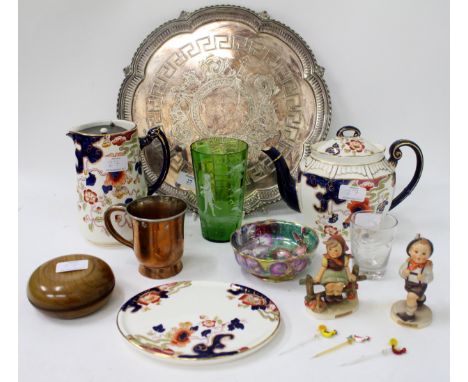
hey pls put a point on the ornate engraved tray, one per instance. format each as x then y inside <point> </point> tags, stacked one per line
<point>226,71</point>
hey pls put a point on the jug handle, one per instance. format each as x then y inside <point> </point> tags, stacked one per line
<point>157,133</point>
<point>395,156</point>
<point>110,227</point>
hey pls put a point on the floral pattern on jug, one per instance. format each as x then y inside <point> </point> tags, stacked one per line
<point>99,189</point>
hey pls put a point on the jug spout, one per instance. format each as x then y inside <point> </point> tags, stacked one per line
<point>71,134</point>
<point>286,183</point>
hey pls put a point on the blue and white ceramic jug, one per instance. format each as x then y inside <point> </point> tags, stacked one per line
<point>109,171</point>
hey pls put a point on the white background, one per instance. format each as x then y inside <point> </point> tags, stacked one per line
<point>387,67</point>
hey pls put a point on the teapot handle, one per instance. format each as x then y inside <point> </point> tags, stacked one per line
<point>157,133</point>
<point>395,156</point>
<point>355,130</point>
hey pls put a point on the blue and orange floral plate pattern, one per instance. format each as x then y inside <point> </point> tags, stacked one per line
<point>198,321</point>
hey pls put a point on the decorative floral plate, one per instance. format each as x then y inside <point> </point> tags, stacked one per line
<point>188,321</point>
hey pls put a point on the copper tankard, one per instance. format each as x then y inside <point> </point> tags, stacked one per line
<point>158,233</point>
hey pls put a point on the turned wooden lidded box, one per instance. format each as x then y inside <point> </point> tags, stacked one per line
<point>71,286</point>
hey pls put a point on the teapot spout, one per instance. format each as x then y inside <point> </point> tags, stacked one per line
<point>286,183</point>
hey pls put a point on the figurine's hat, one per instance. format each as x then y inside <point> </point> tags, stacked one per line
<point>340,240</point>
<point>419,238</point>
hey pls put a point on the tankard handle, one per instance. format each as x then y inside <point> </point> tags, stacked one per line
<point>110,227</point>
<point>395,156</point>
<point>157,133</point>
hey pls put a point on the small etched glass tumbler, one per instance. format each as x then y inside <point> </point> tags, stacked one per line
<point>220,167</point>
<point>372,236</point>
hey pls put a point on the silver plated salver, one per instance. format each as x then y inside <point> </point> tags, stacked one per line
<point>226,71</point>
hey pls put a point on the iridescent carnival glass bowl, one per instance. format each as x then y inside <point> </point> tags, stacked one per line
<point>274,250</point>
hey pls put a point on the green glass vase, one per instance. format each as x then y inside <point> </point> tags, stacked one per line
<point>220,166</point>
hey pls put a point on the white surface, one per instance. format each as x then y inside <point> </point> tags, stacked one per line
<point>387,69</point>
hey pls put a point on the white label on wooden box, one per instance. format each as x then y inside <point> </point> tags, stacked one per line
<point>68,266</point>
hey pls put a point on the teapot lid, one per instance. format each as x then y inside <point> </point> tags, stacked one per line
<point>349,150</point>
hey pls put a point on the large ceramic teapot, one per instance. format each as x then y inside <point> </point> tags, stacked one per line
<point>341,176</point>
